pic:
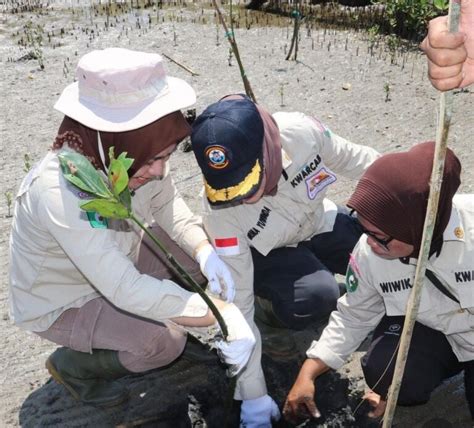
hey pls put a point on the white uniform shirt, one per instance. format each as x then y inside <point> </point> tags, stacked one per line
<point>382,287</point>
<point>312,155</point>
<point>61,258</point>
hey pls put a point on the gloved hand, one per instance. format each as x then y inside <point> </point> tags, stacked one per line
<point>259,412</point>
<point>240,341</point>
<point>216,272</point>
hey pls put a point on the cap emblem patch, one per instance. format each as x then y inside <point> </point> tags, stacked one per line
<point>217,157</point>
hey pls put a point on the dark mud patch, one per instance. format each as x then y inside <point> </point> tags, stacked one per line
<point>187,394</point>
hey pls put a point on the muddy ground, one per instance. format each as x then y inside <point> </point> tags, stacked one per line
<point>352,82</point>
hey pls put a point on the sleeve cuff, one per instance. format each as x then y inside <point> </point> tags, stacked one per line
<point>321,351</point>
<point>194,236</point>
<point>250,389</point>
<point>195,306</point>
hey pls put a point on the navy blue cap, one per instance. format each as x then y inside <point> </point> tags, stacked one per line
<point>227,140</point>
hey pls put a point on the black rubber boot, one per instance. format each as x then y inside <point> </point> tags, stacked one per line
<point>90,378</point>
<point>277,340</point>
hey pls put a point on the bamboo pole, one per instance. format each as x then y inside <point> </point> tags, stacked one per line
<point>235,49</point>
<point>445,106</point>
<point>296,28</point>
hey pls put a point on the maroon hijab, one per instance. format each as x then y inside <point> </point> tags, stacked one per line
<point>272,157</point>
<point>393,194</point>
<point>141,144</point>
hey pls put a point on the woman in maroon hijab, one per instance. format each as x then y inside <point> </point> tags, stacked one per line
<point>390,201</point>
<point>80,280</point>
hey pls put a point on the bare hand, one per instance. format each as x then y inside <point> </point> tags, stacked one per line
<point>451,55</point>
<point>299,404</point>
<point>375,401</point>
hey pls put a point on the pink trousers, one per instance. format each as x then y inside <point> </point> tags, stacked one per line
<point>142,344</point>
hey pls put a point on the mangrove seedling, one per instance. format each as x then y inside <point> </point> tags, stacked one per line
<point>34,40</point>
<point>26,162</point>
<point>393,44</point>
<point>282,94</point>
<point>386,88</point>
<point>218,42</point>
<point>9,199</point>
<point>113,199</point>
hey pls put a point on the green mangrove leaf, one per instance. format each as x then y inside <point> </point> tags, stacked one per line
<point>441,4</point>
<point>79,171</point>
<point>109,208</point>
<point>126,198</point>
<point>76,181</point>
<point>118,176</point>
<point>127,162</point>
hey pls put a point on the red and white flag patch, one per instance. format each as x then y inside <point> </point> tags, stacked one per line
<point>227,246</point>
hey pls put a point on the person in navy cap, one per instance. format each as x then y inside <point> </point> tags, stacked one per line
<point>266,213</point>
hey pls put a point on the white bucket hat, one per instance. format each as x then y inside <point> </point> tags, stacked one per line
<point>120,90</point>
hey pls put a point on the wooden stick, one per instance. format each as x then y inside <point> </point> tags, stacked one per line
<point>193,73</point>
<point>446,102</point>
<point>233,44</point>
<point>296,28</point>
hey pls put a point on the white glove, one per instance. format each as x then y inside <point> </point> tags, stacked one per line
<point>216,272</point>
<point>240,341</point>
<point>259,412</point>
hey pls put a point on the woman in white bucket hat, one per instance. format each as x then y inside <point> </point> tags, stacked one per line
<point>89,284</point>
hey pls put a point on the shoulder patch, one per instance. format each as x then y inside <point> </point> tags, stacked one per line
<point>78,193</point>
<point>97,221</point>
<point>352,280</point>
<point>227,246</point>
<point>323,128</point>
<point>318,181</point>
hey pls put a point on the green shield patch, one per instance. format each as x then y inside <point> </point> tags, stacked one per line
<point>96,220</point>
<point>351,280</point>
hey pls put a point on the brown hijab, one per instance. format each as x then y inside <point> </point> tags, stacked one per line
<point>272,159</point>
<point>271,152</point>
<point>393,194</point>
<point>141,144</point>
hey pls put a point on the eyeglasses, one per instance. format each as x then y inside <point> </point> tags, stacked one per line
<point>382,242</point>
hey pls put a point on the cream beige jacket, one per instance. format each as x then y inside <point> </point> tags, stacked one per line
<point>382,287</point>
<point>61,257</point>
<point>312,156</point>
